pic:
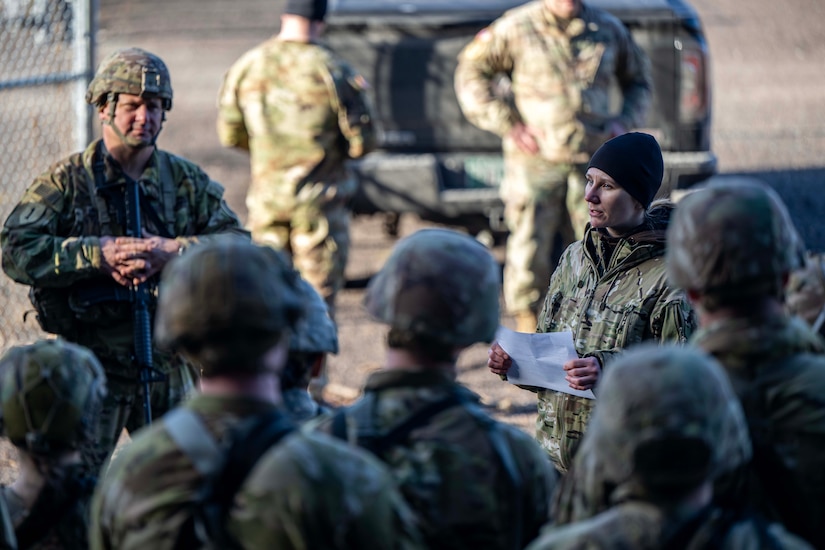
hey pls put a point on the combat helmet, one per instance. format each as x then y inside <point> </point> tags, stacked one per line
<point>51,395</point>
<point>667,418</point>
<point>438,284</point>
<point>226,303</point>
<point>130,71</point>
<point>732,240</point>
<point>316,331</point>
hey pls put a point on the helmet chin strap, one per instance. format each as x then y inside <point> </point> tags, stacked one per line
<point>111,99</point>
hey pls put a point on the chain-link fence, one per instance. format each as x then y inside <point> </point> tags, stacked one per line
<point>46,61</point>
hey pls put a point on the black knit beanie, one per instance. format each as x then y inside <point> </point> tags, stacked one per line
<point>314,10</point>
<point>635,162</point>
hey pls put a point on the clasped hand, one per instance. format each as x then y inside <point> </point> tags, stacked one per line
<point>133,260</point>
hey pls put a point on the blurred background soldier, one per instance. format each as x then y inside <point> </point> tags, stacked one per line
<point>230,306</point>
<point>66,238</point>
<point>474,482</point>
<point>732,247</point>
<point>299,196</point>
<point>667,424</point>
<point>610,289</point>
<point>301,189</point>
<point>51,396</point>
<point>314,337</point>
<point>561,58</point>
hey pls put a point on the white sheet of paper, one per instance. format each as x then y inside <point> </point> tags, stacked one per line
<point>538,359</point>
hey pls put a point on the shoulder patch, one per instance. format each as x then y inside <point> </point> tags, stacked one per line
<point>28,213</point>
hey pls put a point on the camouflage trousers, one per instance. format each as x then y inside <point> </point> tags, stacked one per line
<point>561,423</point>
<point>317,237</point>
<point>541,214</point>
<point>123,407</point>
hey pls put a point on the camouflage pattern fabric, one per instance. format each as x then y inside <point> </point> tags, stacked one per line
<point>305,492</point>
<point>448,469</point>
<point>560,81</point>
<point>131,71</point>
<point>51,240</point>
<point>441,284</point>
<point>301,113</point>
<point>609,301</point>
<point>777,368</point>
<point>642,526</point>
<point>805,292</point>
<point>666,396</point>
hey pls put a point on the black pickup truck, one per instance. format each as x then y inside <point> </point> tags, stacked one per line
<point>434,163</point>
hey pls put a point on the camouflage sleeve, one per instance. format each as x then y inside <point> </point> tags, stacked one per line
<point>231,127</point>
<point>356,115</point>
<point>314,492</point>
<point>211,212</point>
<point>32,251</point>
<point>480,64</point>
<point>633,74</point>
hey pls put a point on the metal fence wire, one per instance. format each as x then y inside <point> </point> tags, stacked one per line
<point>46,62</point>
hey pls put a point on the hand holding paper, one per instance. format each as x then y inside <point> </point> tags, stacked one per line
<point>538,359</point>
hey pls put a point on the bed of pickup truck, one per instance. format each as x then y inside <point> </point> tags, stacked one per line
<point>432,162</point>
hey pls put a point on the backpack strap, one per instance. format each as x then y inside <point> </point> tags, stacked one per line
<point>169,192</point>
<point>380,443</point>
<point>192,437</point>
<point>248,443</point>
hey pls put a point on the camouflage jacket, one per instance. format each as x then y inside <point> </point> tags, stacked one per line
<point>560,80</point>
<point>777,369</point>
<point>300,406</point>
<point>643,526</point>
<point>449,467</point>
<point>609,301</point>
<point>307,491</point>
<point>52,237</point>
<point>66,526</point>
<point>301,112</point>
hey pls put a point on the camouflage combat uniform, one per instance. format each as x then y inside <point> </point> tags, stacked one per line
<point>51,240</point>
<point>448,470</point>
<point>474,482</point>
<point>777,368</point>
<point>301,113</point>
<point>668,424</point>
<point>806,292</point>
<point>307,492</point>
<point>611,293</point>
<point>734,244</point>
<point>51,395</point>
<point>560,84</point>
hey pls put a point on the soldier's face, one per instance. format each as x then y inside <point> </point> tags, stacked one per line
<point>564,9</point>
<point>136,118</point>
<point>610,206</point>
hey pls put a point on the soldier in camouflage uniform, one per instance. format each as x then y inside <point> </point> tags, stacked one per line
<point>668,423</point>
<point>67,236</point>
<point>474,482</point>
<point>732,247</point>
<point>314,337</point>
<point>301,112</point>
<point>230,306</point>
<point>51,392</point>
<point>561,57</point>
<point>610,289</point>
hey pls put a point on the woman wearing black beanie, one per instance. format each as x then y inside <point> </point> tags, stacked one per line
<point>609,289</point>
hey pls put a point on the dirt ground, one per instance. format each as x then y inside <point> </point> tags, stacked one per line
<point>768,72</point>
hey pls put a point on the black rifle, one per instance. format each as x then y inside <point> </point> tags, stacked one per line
<point>141,296</point>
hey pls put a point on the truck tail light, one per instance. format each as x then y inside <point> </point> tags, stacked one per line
<point>694,93</point>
